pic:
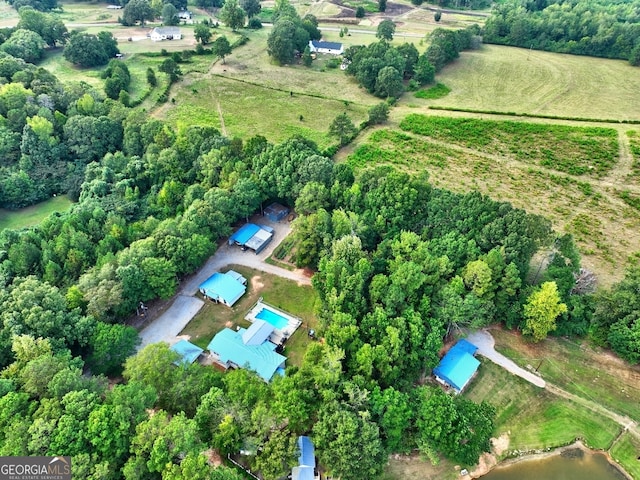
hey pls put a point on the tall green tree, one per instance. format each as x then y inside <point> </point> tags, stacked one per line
<point>541,311</point>
<point>386,30</point>
<point>221,47</point>
<point>343,129</point>
<point>137,11</point>
<point>232,15</point>
<point>202,33</point>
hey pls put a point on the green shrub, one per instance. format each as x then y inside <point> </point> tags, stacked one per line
<point>439,90</point>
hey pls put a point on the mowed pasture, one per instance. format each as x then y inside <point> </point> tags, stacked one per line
<point>248,95</point>
<point>509,79</point>
<point>606,228</point>
<point>533,418</point>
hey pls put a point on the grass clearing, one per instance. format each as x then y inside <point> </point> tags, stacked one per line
<point>33,215</point>
<point>573,150</point>
<point>512,79</point>
<point>533,418</point>
<point>626,452</point>
<point>277,291</point>
<point>578,368</point>
<point>439,90</point>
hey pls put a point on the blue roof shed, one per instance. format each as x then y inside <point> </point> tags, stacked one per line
<point>223,288</point>
<point>231,350</point>
<point>187,350</point>
<point>306,460</point>
<point>458,366</point>
<point>244,234</point>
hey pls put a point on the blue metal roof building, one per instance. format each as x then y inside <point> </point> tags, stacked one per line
<point>188,351</point>
<point>306,460</point>
<point>252,236</point>
<point>458,366</point>
<point>223,288</point>
<point>232,351</point>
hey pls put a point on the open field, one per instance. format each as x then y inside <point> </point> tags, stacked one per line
<point>277,291</point>
<point>248,96</point>
<point>604,226</point>
<point>535,419</point>
<point>27,216</point>
<point>574,150</point>
<point>591,373</point>
<point>512,79</point>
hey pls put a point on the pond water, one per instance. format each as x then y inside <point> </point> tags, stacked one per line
<point>573,464</point>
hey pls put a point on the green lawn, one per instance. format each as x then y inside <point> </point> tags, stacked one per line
<point>576,367</point>
<point>519,80</point>
<point>627,453</point>
<point>279,292</point>
<point>25,217</point>
<point>535,419</point>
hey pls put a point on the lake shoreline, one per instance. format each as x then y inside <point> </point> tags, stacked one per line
<point>485,465</point>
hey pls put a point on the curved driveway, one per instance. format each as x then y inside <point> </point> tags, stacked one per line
<point>485,343</point>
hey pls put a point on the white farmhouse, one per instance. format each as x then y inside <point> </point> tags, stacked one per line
<point>333,48</point>
<point>165,33</point>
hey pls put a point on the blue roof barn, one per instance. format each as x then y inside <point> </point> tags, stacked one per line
<point>458,366</point>
<point>252,236</point>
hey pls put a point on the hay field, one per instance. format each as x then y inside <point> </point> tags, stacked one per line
<point>606,229</point>
<point>517,80</point>
<point>249,95</point>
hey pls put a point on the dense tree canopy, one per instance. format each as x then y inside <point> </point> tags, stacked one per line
<point>87,50</point>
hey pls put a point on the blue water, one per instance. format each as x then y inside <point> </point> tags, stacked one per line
<point>273,318</point>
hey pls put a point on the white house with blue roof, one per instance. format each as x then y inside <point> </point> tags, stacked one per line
<point>248,348</point>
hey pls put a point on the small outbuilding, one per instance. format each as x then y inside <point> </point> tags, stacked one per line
<point>332,48</point>
<point>165,33</point>
<point>188,351</point>
<point>252,236</point>
<point>224,287</point>
<point>458,366</point>
<point>305,470</point>
<point>276,212</point>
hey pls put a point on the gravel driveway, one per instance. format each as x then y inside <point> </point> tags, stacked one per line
<point>185,305</point>
<point>485,343</point>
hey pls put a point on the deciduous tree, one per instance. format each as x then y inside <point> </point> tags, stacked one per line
<point>541,310</point>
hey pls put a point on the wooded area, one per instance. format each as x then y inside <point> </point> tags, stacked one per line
<point>400,266</point>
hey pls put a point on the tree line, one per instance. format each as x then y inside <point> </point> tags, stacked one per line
<point>586,27</point>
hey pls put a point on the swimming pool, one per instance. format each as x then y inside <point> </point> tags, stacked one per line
<point>273,318</point>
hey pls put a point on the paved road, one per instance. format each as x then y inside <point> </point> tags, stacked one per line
<point>485,343</point>
<point>185,305</point>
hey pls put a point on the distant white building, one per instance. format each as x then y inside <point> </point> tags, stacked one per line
<point>165,33</point>
<point>333,48</point>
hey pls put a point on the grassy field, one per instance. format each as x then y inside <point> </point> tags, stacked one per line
<point>535,419</point>
<point>518,80</point>
<point>277,291</point>
<point>578,368</point>
<point>605,227</point>
<point>245,95</point>
<point>626,452</point>
<point>25,217</point>
<point>574,150</point>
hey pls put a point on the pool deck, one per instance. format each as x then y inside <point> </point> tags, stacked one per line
<point>279,335</point>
